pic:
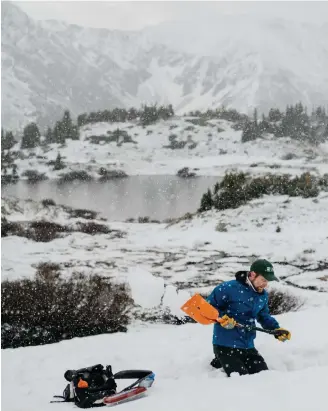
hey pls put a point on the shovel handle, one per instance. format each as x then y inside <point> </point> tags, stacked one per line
<point>253,327</point>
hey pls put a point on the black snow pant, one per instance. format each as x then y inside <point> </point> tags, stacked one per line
<point>240,360</point>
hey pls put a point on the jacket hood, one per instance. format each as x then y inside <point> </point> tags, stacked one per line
<point>241,276</point>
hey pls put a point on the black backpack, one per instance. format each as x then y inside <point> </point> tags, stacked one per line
<point>89,386</point>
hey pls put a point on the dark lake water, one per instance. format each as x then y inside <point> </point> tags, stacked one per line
<point>158,197</point>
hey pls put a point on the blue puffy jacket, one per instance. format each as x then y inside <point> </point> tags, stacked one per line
<point>239,300</point>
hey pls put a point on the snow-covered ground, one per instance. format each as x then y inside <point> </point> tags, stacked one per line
<point>180,356</point>
<point>164,265</point>
<point>190,254</point>
<point>211,149</point>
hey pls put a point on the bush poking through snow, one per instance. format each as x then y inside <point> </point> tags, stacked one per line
<point>83,213</point>
<point>48,310</point>
<point>75,175</point>
<point>34,176</point>
<point>236,189</point>
<point>282,302</point>
<point>185,173</point>
<point>40,231</point>
<point>93,228</point>
<point>106,175</point>
<point>44,231</point>
<point>47,272</point>
<point>47,202</point>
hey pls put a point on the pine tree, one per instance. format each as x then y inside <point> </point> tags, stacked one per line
<point>251,131</point>
<point>59,135</point>
<point>59,165</point>
<point>275,115</point>
<point>206,202</point>
<point>69,129</point>
<point>82,119</point>
<point>49,136</point>
<point>31,136</point>
<point>7,140</point>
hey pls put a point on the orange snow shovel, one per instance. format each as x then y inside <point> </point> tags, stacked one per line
<point>200,310</point>
<point>204,313</point>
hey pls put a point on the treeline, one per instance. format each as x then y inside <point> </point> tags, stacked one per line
<point>63,130</point>
<point>294,122</point>
<point>146,115</point>
<point>222,113</point>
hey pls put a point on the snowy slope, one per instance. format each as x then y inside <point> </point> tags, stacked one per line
<point>239,62</point>
<point>218,149</point>
<point>180,356</point>
<point>191,255</point>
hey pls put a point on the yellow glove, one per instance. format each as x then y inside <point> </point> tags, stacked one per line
<point>227,322</point>
<point>282,334</point>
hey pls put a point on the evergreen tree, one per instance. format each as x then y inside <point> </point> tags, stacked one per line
<point>275,115</point>
<point>251,131</point>
<point>14,174</point>
<point>59,165</point>
<point>206,202</point>
<point>7,140</point>
<point>149,115</point>
<point>59,134</point>
<point>50,138</point>
<point>68,128</point>
<point>31,136</point>
<point>82,119</point>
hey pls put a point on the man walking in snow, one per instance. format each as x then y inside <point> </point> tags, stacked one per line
<point>243,301</point>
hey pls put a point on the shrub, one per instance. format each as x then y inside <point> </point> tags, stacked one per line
<point>93,228</point>
<point>283,302</point>
<point>48,202</point>
<point>47,272</point>
<point>198,121</point>
<point>221,227</point>
<point>44,231</point>
<point>39,311</point>
<point>82,213</point>
<point>40,231</point>
<point>102,139</point>
<point>111,174</point>
<point>289,156</point>
<point>34,176</point>
<point>185,173</point>
<point>75,175</point>
<point>143,220</point>
<point>235,189</point>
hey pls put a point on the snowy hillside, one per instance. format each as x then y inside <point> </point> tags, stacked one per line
<point>172,262</point>
<point>191,254</point>
<point>180,358</point>
<point>208,149</point>
<point>240,62</point>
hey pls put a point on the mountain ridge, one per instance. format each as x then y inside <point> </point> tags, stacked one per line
<point>49,66</point>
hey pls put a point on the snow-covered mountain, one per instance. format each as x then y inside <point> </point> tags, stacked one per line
<point>48,66</point>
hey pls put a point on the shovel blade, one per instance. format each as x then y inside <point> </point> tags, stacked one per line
<point>200,310</point>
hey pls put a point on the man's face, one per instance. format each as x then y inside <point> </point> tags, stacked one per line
<point>258,281</point>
